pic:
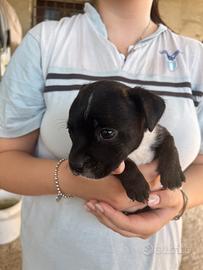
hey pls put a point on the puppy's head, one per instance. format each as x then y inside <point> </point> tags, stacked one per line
<point>106,123</point>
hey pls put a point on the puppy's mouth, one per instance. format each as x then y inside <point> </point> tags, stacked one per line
<point>88,174</point>
<point>96,172</point>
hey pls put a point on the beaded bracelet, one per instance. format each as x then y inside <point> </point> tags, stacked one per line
<point>60,194</point>
<point>185,202</point>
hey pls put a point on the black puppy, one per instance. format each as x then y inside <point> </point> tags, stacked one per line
<point>110,122</point>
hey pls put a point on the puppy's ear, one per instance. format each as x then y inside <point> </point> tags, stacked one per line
<point>150,104</point>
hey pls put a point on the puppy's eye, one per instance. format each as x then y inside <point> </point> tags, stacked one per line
<point>107,133</point>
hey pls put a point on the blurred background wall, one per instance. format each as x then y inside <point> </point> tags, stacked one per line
<point>24,11</point>
<point>183,16</point>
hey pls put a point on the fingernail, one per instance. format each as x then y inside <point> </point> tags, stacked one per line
<point>99,208</point>
<point>90,206</point>
<point>153,200</point>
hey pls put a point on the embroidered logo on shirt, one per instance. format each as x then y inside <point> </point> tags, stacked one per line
<point>171,59</point>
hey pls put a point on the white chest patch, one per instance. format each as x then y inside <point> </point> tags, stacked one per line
<point>144,153</point>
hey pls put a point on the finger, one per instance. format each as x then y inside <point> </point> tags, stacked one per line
<point>91,205</point>
<point>105,221</point>
<point>120,168</point>
<point>117,218</point>
<point>165,199</point>
<point>134,208</point>
<point>134,225</point>
<point>138,224</point>
<point>104,210</point>
<point>130,209</point>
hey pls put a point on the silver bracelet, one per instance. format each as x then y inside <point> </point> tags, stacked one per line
<point>60,194</point>
<point>185,202</point>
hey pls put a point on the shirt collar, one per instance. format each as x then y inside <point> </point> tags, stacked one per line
<point>95,17</point>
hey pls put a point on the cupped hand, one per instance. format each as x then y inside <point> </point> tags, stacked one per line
<point>118,198</point>
<point>164,204</point>
<point>109,189</point>
<point>150,174</point>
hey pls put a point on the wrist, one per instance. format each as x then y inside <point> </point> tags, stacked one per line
<point>66,179</point>
<point>60,193</point>
<point>183,205</point>
<point>75,186</point>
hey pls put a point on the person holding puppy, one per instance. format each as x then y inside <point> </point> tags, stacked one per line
<point>124,41</point>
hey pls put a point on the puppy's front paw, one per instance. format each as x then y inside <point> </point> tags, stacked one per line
<point>172,178</point>
<point>134,182</point>
<point>139,192</point>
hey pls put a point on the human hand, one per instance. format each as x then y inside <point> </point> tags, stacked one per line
<point>164,204</point>
<point>150,174</point>
<point>110,189</point>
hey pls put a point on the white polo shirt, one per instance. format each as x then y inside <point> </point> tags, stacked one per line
<point>42,80</point>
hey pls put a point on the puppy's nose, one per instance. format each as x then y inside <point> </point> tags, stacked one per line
<point>77,166</point>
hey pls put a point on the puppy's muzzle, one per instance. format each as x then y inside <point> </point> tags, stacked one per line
<point>76,167</point>
<point>80,164</point>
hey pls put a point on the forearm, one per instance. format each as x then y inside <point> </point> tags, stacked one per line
<point>24,174</point>
<point>27,175</point>
<point>193,186</point>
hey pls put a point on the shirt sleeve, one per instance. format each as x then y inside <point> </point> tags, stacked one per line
<point>21,91</point>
